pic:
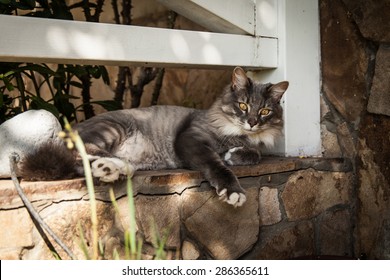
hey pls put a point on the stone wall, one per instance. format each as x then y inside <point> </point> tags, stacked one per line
<point>355,47</point>
<point>295,208</point>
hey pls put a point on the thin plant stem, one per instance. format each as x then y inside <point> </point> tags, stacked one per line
<point>132,231</point>
<point>76,139</point>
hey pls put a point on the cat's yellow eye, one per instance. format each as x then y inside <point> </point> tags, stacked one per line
<point>243,106</point>
<point>265,112</point>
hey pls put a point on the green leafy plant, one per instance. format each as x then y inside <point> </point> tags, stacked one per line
<point>15,97</point>
<point>58,81</point>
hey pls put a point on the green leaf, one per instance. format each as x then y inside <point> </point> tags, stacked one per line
<point>8,84</point>
<point>57,83</point>
<point>64,96</point>
<point>39,68</point>
<point>94,72</point>
<point>77,70</point>
<point>66,108</point>
<point>109,105</point>
<point>76,84</point>
<point>105,76</point>
<point>9,73</point>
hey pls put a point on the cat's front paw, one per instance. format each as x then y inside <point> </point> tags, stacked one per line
<point>109,169</point>
<point>236,199</point>
<point>228,158</point>
<point>242,156</point>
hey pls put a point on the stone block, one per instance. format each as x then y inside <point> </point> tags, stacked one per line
<point>10,254</point>
<point>122,217</point>
<point>330,144</point>
<point>344,59</point>
<point>308,193</point>
<point>382,248</point>
<point>24,133</point>
<point>158,216</point>
<point>372,18</point>
<point>374,204</point>
<point>189,251</point>
<point>293,241</point>
<point>335,234</point>
<point>224,231</point>
<point>63,219</point>
<point>269,207</point>
<point>16,230</point>
<point>379,101</point>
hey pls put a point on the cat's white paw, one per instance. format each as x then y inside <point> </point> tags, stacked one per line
<point>109,169</point>
<point>235,199</point>
<point>228,155</point>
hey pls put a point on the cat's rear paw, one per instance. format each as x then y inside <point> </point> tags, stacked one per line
<point>109,169</point>
<point>236,199</point>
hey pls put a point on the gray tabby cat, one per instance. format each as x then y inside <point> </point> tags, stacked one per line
<point>246,116</point>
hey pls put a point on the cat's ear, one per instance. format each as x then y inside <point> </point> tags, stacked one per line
<point>239,79</point>
<point>276,91</point>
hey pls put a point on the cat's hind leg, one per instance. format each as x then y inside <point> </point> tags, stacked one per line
<point>109,169</point>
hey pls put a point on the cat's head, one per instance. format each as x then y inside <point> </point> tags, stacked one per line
<point>251,107</point>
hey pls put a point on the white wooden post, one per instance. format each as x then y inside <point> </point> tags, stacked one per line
<point>297,30</point>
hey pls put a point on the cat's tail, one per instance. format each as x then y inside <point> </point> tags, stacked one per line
<point>51,161</point>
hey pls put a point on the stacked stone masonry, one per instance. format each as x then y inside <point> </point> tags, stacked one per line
<point>296,208</point>
<point>355,64</point>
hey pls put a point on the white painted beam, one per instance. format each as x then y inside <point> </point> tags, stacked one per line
<point>37,40</point>
<point>225,16</point>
